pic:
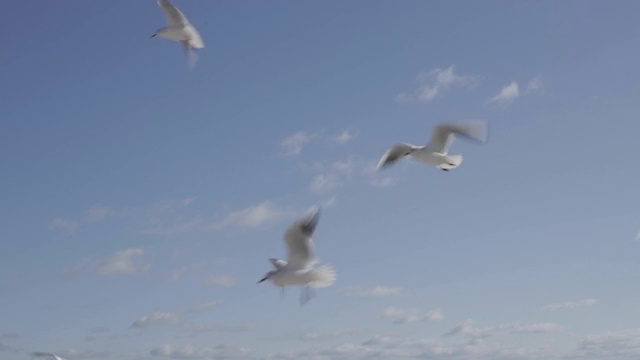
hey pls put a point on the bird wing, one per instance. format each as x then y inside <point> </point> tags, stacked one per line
<point>299,242</point>
<point>443,134</point>
<point>395,153</point>
<point>175,17</point>
<point>278,264</point>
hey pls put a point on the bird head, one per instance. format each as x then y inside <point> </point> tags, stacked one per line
<point>267,276</point>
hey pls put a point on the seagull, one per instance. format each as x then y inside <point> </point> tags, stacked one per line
<point>180,29</point>
<point>436,151</point>
<point>300,269</point>
<point>45,354</point>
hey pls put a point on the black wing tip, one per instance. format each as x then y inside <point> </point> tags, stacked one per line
<point>310,222</point>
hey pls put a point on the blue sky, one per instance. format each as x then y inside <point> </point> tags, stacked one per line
<point>141,199</point>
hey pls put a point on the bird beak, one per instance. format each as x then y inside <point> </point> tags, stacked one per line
<point>263,279</point>
<point>152,36</point>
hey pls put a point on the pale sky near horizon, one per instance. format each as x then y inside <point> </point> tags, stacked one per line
<point>141,199</point>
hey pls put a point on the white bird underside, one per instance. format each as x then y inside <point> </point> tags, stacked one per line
<point>299,269</point>
<point>436,151</point>
<point>181,30</point>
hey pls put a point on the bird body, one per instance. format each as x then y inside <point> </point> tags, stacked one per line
<point>179,29</point>
<point>300,268</point>
<point>436,151</point>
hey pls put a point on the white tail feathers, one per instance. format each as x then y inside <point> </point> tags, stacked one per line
<point>451,162</point>
<point>322,276</point>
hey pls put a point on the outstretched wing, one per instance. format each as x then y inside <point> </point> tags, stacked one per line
<point>395,153</point>
<point>278,264</point>
<point>443,134</point>
<point>175,17</point>
<point>299,242</point>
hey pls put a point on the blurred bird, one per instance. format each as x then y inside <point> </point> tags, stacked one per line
<point>436,152</point>
<point>181,30</point>
<point>299,268</point>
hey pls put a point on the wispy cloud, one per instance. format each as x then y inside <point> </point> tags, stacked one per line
<point>122,263</point>
<point>98,212</point>
<point>294,143</point>
<point>251,217</point>
<point>433,83</point>
<point>466,328</point>
<point>331,175</point>
<point>371,292</point>
<point>613,345</point>
<point>507,95</point>
<point>534,85</point>
<point>402,316</point>
<point>220,280</point>
<point>571,304</point>
<point>155,319</point>
<point>66,226</point>
<point>344,137</point>
<point>204,307</point>
<point>191,352</point>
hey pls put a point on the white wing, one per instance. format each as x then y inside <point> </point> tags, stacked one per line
<point>299,242</point>
<point>395,153</point>
<point>443,134</point>
<point>175,17</point>
<point>278,264</point>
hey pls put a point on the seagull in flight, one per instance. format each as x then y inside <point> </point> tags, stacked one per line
<point>47,355</point>
<point>180,29</point>
<point>299,269</point>
<point>436,152</point>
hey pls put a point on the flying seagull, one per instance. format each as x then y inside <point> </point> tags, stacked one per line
<point>436,152</point>
<point>300,268</point>
<point>47,355</point>
<point>180,29</point>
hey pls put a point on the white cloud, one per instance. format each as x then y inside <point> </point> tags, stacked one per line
<point>204,307</point>
<point>84,354</point>
<point>97,212</point>
<point>638,236</point>
<point>220,280</point>
<point>332,175</point>
<point>386,347</point>
<point>376,291</point>
<point>179,227</point>
<point>613,345</point>
<point>402,316</point>
<point>122,263</point>
<point>433,83</point>
<point>534,85</point>
<point>466,328</point>
<point>190,352</point>
<point>294,143</point>
<point>344,137</point>
<point>384,181</point>
<point>324,182</point>
<point>571,304</point>
<point>330,202</point>
<point>507,95</point>
<point>67,226</point>
<point>316,336</point>
<point>178,273</point>
<point>155,319</point>
<point>252,217</point>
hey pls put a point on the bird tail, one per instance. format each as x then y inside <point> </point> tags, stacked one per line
<point>322,276</point>
<point>451,162</point>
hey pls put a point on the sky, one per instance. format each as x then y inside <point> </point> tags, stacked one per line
<point>141,199</point>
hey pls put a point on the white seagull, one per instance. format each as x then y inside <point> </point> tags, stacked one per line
<point>180,29</point>
<point>299,269</point>
<point>45,354</point>
<point>436,152</point>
